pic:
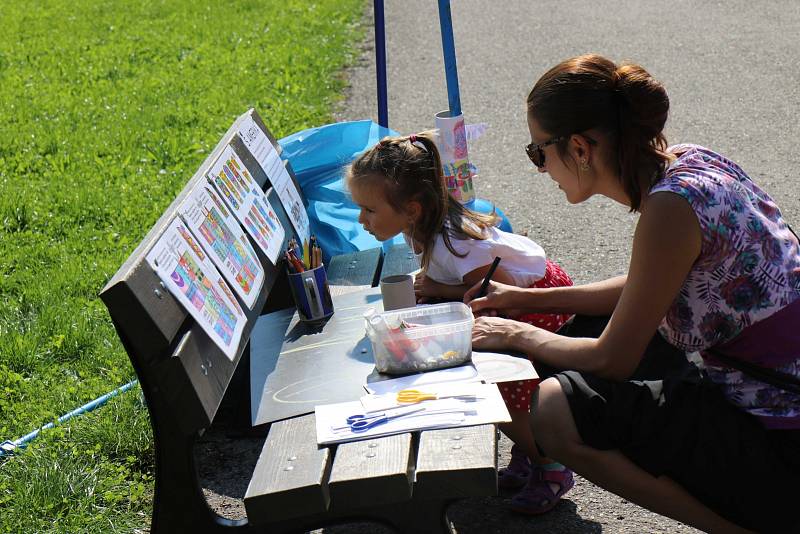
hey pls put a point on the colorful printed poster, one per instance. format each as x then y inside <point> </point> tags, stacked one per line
<point>191,277</point>
<point>214,226</point>
<point>247,202</point>
<point>273,166</point>
<point>263,225</point>
<point>293,204</point>
<point>261,148</point>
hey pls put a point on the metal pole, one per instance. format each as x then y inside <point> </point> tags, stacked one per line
<point>8,447</point>
<point>380,64</point>
<point>449,51</point>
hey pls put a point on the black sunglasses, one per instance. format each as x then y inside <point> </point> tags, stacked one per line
<point>536,154</point>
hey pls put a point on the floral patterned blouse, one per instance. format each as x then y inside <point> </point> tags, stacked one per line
<point>748,269</point>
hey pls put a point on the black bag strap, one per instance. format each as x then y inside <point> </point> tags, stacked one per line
<point>778,379</point>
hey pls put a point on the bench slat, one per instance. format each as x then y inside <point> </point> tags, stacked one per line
<point>372,472</point>
<point>361,268</point>
<point>457,462</point>
<point>399,260</point>
<point>290,477</point>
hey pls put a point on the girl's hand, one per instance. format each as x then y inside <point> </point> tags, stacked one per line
<point>496,333</point>
<point>426,288</point>
<point>500,299</point>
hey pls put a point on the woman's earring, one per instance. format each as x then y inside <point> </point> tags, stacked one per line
<point>584,165</point>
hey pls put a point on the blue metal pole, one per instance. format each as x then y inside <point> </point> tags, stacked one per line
<point>380,64</point>
<point>449,51</point>
<point>8,447</point>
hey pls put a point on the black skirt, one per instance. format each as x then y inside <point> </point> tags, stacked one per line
<point>670,420</point>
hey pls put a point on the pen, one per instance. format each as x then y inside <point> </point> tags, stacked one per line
<point>488,277</point>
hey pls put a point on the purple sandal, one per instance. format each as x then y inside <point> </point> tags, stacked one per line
<point>518,471</point>
<point>537,496</point>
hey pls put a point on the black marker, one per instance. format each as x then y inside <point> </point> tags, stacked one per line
<point>485,284</point>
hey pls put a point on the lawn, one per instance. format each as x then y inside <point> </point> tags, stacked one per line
<point>108,108</point>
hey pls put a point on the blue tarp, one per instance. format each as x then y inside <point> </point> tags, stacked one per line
<point>319,157</point>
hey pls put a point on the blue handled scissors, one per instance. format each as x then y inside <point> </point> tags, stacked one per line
<point>363,422</point>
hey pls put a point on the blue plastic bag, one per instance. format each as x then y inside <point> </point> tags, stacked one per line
<point>319,157</point>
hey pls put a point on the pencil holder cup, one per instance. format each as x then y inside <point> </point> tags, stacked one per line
<point>311,293</point>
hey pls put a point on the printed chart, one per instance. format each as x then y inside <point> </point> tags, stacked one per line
<point>191,277</point>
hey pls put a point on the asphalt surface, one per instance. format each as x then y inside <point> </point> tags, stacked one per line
<point>731,71</point>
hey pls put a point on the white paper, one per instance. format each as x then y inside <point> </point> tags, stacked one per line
<point>191,277</point>
<point>293,204</point>
<point>248,202</point>
<point>263,225</point>
<point>331,419</point>
<point>261,148</point>
<point>214,227</point>
<point>274,167</point>
<point>494,367</point>
<point>461,374</point>
<point>460,393</point>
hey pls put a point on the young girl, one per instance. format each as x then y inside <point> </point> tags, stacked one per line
<point>400,188</point>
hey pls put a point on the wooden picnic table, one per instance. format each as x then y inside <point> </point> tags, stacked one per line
<point>405,480</point>
<point>295,367</point>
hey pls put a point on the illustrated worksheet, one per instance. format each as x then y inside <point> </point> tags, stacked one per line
<point>248,202</point>
<point>191,277</point>
<point>267,157</point>
<point>215,228</point>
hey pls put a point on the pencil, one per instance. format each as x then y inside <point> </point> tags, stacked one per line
<point>485,284</point>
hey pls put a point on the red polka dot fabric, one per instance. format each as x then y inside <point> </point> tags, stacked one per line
<point>517,394</point>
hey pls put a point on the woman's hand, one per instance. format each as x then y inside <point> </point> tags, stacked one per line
<point>500,299</point>
<point>496,333</point>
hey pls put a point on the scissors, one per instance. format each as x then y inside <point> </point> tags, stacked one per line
<point>363,422</point>
<point>413,396</point>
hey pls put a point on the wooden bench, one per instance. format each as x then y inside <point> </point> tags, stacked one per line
<point>405,481</point>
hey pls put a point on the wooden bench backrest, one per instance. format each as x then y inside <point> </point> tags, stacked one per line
<point>170,352</point>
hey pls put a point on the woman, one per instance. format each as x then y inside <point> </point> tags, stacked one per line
<point>714,269</point>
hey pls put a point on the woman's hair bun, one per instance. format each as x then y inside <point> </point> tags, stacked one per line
<point>644,95</point>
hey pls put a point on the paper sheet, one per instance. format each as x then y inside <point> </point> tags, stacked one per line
<point>248,202</point>
<point>191,277</point>
<point>221,237</point>
<point>331,419</point>
<point>461,374</point>
<point>274,167</point>
<point>461,393</point>
<point>494,367</point>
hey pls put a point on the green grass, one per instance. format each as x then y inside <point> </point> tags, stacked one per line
<point>108,109</point>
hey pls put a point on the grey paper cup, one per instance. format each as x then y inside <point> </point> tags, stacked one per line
<point>398,292</point>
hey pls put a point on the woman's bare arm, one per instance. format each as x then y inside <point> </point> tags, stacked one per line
<point>598,298</point>
<point>666,244</point>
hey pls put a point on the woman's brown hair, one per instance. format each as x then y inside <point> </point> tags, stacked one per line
<point>409,169</point>
<point>622,101</point>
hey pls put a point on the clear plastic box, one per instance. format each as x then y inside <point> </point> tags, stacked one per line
<point>422,338</point>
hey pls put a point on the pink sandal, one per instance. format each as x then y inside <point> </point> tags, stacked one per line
<point>537,496</point>
<point>518,471</point>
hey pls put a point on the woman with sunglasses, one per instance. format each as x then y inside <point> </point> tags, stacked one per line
<point>714,270</point>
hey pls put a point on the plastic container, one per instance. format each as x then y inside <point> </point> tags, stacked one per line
<point>423,338</point>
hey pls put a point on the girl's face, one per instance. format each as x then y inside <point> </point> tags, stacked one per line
<point>577,189</point>
<point>377,216</point>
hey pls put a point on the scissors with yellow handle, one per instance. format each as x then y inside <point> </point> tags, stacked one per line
<point>413,396</point>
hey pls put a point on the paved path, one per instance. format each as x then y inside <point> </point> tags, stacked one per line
<point>732,74</point>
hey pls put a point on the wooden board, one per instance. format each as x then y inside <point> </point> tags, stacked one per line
<point>457,462</point>
<point>399,259</point>
<point>372,472</point>
<point>294,367</point>
<point>355,269</point>
<point>290,477</point>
